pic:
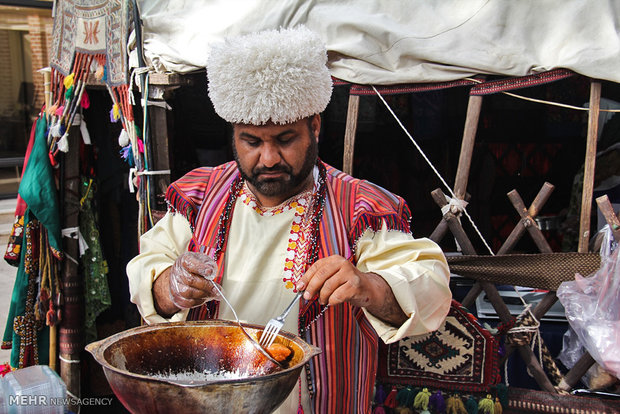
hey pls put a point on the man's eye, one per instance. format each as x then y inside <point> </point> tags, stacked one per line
<point>253,143</point>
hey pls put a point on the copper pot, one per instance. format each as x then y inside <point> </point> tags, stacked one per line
<point>133,359</point>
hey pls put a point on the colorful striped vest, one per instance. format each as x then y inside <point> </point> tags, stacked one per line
<point>342,376</point>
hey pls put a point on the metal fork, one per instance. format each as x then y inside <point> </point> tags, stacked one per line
<point>275,324</point>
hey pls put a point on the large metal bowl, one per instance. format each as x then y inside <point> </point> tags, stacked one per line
<point>133,359</point>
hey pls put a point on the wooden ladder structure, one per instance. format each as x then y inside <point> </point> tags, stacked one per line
<point>451,223</point>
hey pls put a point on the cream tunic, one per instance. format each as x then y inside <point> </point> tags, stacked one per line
<point>415,269</point>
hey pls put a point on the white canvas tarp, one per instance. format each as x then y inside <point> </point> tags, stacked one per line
<point>386,42</point>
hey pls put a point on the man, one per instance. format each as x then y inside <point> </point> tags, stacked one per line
<point>278,220</point>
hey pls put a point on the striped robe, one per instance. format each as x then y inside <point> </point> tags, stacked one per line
<point>343,375</point>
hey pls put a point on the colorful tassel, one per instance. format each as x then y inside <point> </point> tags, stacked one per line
<point>52,110</point>
<point>421,400</point>
<point>502,393</point>
<point>437,402</point>
<point>378,410</point>
<point>471,405</point>
<point>50,318</point>
<point>140,146</point>
<point>486,406</point>
<point>85,101</point>
<point>68,81</point>
<point>454,405</point>
<point>405,397</point>
<point>380,394</point>
<point>116,113</point>
<point>55,130</point>
<point>60,110</point>
<point>104,78</point>
<point>63,143</point>
<point>497,407</point>
<point>390,400</point>
<point>69,93</point>
<point>123,138</point>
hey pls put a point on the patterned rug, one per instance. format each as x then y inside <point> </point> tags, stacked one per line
<point>460,356</point>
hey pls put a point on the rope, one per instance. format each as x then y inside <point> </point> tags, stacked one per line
<point>132,82</point>
<point>561,105</point>
<point>454,206</point>
<point>434,170</point>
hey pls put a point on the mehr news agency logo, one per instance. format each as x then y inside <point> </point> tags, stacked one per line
<point>44,400</point>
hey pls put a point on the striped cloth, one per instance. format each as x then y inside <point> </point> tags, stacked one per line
<point>343,375</point>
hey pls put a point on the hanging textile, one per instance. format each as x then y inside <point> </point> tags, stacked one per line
<point>90,38</point>
<point>96,290</point>
<point>36,297</point>
<point>14,246</point>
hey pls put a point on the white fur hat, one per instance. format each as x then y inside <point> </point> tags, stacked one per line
<point>274,75</point>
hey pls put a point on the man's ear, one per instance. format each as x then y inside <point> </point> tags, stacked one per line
<point>315,126</point>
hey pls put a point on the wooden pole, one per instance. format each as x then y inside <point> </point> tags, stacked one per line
<point>71,331</point>
<point>527,219</point>
<point>474,107</point>
<point>577,371</point>
<point>53,348</point>
<point>590,163</point>
<point>53,345</point>
<point>158,122</point>
<point>349,134</point>
<point>610,215</point>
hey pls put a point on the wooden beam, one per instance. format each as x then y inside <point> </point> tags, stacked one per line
<point>158,122</point>
<point>349,134</point>
<point>589,167</point>
<point>467,146</point>
<point>577,371</point>
<point>610,215</point>
<point>71,330</point>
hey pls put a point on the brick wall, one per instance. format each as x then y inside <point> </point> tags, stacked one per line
<point>6,76</point>
<point>40,31</point>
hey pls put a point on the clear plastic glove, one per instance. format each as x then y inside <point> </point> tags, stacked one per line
<point>191,280</point>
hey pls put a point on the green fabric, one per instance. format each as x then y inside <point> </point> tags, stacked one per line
<point>96,290</point>
<point>18,308</point>
<point>38,187</point>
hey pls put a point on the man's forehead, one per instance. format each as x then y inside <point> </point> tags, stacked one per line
<point>269,128</point>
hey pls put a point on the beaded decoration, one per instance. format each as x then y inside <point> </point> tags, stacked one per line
<point>297,245</point>
<point>302,247</point>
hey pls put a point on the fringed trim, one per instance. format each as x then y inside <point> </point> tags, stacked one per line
<point>7,345</point>
<point>423,400</point>
<point>57,253</point>
<point>375,223</point>
<point>178,204</point>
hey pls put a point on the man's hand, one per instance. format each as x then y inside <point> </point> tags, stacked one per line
<point>336,280</point>
<point>187,284</point>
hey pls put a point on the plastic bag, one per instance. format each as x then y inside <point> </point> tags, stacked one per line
<point>592,306</point>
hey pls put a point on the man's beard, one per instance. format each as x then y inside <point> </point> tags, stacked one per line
<point>286,185</point>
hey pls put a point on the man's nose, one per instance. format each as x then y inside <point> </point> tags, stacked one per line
<point>270,155</point>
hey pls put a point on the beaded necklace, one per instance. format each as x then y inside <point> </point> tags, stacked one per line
<point>303,247</point>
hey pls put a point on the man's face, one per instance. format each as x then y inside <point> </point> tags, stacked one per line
<point>276,160</point>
